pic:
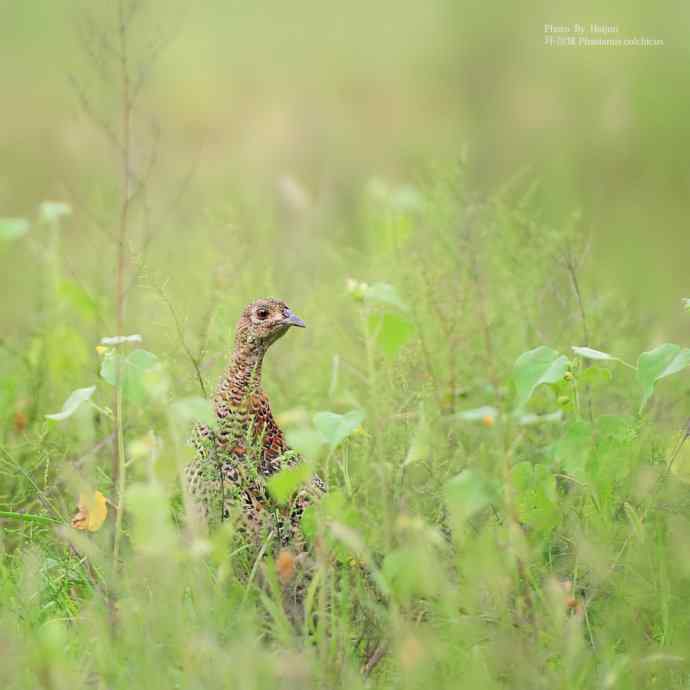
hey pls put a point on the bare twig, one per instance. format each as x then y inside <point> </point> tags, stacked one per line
<point>194,359</point>
<point>571,266</point>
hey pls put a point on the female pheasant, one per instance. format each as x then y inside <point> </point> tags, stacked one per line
<point>246,446</point>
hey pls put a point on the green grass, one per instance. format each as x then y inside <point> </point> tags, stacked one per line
<point>459,544</point>
<point>503,511</point>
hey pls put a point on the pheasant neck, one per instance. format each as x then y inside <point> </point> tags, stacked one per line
<point>242,377</point>
<point>239,400</point>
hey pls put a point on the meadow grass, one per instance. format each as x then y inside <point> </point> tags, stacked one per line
<point>472,537</point>
<point>504,511</point>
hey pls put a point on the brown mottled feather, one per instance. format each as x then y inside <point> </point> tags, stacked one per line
<point>246,445</point>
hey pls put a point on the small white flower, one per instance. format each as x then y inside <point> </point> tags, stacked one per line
<point>120,339</point>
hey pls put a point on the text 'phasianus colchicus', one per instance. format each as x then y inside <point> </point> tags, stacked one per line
<point>237,455</point>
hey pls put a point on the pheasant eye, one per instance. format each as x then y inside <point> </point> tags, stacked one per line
<point>262,313</point>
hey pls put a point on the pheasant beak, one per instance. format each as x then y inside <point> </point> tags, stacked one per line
<point>293,320</point>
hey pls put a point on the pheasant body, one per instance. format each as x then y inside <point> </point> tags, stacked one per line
<point>246,446</point>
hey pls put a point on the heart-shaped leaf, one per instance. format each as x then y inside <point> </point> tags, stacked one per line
<point>284,484</point>
<point>392,331</point>
<point>134,368</point>
<point>657,364</point>
<point>335,428</point>
<point>536,367</point>
<point>598,355</point>
<point>70,406</point>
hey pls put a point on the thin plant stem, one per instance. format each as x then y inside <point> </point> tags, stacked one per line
<point>29,517</point>
<point>122,469</point>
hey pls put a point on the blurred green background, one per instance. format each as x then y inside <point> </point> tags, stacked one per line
<point>436,193</point>
<point>265,101</point>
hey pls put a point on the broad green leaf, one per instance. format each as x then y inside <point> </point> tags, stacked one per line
<point>466,494</point>
<point>306,441</point>
<point>573,448</point>
<point>50,211</point>
<point>657,364</point>
<point>13,228</point>
<point>536,496</point>
<point>76,398</point>
<point>335,428</point>
<point>536,367</point>
<point>598,355</point>
<point>194,409</point>
<point>392,331</point>
<point>686,303</point>
<point>135,367</point>
<point>284,484</point>
<point>383,294</point>
<point>109,366</point>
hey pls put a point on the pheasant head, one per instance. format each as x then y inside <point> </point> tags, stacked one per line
<point>262,323</point>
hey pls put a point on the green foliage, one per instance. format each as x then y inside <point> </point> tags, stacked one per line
<point>133,369</point>
<point>536,367</point>
<point>536,498</point>
<point>481,530</point>
<point>76,398</point>
<point>657,364</point>
<point>500,518</point>
<point>335,428</point>
<point>466,494</point>
<point>392,332</point>
<point>284,484</point>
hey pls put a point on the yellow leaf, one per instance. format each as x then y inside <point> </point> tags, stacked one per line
<point>92,511</point>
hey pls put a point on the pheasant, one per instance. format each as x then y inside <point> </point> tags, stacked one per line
<point>246,446</point>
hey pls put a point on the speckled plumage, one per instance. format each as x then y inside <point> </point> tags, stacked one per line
<point>246,446</point>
